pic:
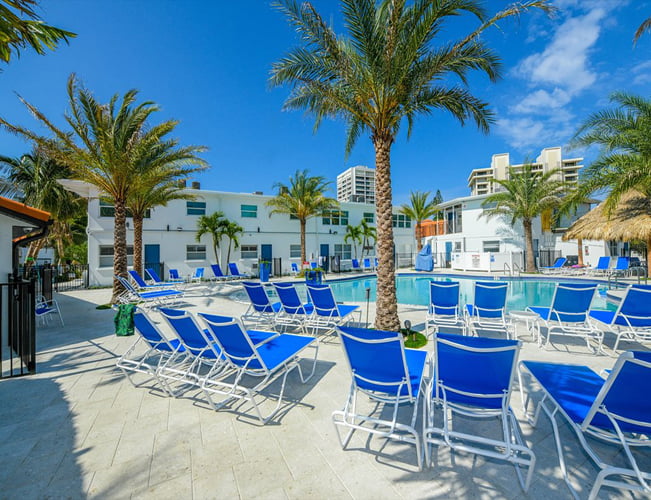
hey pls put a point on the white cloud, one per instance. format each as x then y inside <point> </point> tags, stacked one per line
<point>542,101</point>
<point>524,133</point>
<point>642,73</point>
<point>564,62</point>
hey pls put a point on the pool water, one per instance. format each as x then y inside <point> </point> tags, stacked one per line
<point>415,290</point>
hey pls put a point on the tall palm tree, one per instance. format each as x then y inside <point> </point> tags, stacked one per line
<point>32,179</point>
<point>574,198</point>
<point>354,234</point>
<point>153,189</point>
<point>387,70</point>
<point>232,230</point>
<point>527,194</point>
<point>109,146</point>
<point>419,209</point>
<point>214,225</point>
<point>303,198</point>
<point>21,28</point>
<point>624,137</point>
<point>369,233</point>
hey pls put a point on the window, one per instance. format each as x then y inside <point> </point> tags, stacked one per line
<point>106,209</point>
<point>294,251</point>
<point>457,246</point>
<point>195,252</point>
<point>369,217</point>
<point>401,220</point>
<point>492,246</point>
<point>343,251</point>
<point>250,211</point>
<point>195,207</point>
<point>249,251</point>
<point>335,217</point>
<point>106,255</point>
<point>292,217</point>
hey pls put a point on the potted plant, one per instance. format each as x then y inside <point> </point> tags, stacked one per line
<point>314,276</point>
<point>265,270</point>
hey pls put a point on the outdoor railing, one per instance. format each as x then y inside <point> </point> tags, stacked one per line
<point>17,328</point>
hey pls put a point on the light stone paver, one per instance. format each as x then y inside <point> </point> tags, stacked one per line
<point>79,429</point>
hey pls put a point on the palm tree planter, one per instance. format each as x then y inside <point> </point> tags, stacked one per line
<point>388,70</point>
<point>264,267</point>
<point>314,276</point>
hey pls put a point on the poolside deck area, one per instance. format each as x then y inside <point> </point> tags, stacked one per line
<point>79,429</point>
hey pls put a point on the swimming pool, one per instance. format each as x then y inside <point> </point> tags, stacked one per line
<point>415,290</point>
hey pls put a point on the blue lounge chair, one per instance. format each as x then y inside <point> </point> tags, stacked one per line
<point>568,314</point>
<point>158,296</point>
<point>44,308</point>
<point>620,268</point>
<point>141,284</point>
<point>632,320</point>
<point>175,276</point>
<point>474,378</point>
<point>375,263</point>
<point>153,275</point>
<point>444,309</point>
<point>366,265</point>
<point>200,356</point>
<point>616,411</point>
<point>235,272</point>
<point>603,264</point>
<point>328,314</point>
<point>487,312</point>
<point>293,311</point>
<point>197,275</point>
<point>383,370</point>
<point>277,356</point>
<point>355,265</point>
<point>555,267</point>
<point>295,269</point>
<point>158,349</point>
<point>218,275</point>
<point>261,311</point>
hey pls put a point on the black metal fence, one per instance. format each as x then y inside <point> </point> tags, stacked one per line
<point>17,328</point>
<point>50,278</point>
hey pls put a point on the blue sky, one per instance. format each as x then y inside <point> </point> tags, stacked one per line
<point>206,63</point>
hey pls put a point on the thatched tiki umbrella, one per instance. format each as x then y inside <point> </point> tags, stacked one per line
<point>629,220</point>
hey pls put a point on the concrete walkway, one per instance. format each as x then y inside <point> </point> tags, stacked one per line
<point>79,429</point>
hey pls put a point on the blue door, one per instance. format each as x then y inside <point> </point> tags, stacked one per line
<point>265,253</point>
<point>152,255</point>
<point>324,253</point>
<point>448,253</point>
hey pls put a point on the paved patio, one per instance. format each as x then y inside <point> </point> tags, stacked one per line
<point>79,429</point>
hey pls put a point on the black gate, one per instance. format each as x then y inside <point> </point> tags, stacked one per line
<point>17,328</point>
<point>56,278</point>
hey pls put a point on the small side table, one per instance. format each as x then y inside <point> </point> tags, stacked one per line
<point>530,319</point>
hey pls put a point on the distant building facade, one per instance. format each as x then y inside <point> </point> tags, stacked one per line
<point>480,179</point>
<point>356,185</point>
<point>169,234</point>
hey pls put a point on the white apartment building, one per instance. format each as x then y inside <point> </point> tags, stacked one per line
<point>357,185</point>
<point>169,234</point>
<point>549,159</point>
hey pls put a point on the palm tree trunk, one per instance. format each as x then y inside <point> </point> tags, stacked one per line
<point>215,249</point>
<point>302,221</point>
<point>419,243</point>
<point>137,243</point>
<point>386,305</point>
<point>528,237</point>
<point>119,247</point>
<point>228,252</point>
<point>579,245</point>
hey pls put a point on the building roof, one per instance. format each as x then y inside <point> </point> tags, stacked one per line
<point>23,212</point>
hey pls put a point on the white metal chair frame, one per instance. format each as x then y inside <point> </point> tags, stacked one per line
<point>235,390</point>
<point>617,438</point>
<point>454,320</point>
<point>158,297</point>
<point>330,318</point>
<point>191,366</point>
<point>394,430</point>
<point>630,332</point>
<point>556,326</point>
<point>475,321</point>
<point>514,450</point>
<point>149,362</point>
<point>43,308</point>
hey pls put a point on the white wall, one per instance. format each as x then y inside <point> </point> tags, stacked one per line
<point>6,224</point>
<point>173,229</point>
